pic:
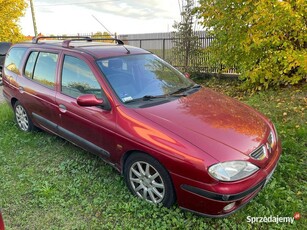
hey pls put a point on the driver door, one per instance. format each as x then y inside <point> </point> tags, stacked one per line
<point>88,127</point>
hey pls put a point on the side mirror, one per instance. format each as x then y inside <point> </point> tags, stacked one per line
<point>89,100</point>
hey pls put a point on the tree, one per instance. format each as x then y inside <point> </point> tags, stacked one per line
<point>265,39</point>
<point>10,12</point>
<point>185,41</point>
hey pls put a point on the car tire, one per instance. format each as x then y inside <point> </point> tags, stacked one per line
<point>149,180</point>
<point>22,118</point>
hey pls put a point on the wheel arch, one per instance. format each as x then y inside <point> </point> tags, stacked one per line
<point>13,101</point>
<point>127,154</point>
<point>131,152</point>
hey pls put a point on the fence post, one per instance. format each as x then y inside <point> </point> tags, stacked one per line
<point>164,48</point>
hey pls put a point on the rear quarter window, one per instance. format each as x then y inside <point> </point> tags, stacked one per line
<point>14,58</point>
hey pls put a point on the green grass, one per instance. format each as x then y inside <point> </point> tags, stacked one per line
<point>47,183</point>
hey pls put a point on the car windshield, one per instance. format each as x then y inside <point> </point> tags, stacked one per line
<point>144,77</point>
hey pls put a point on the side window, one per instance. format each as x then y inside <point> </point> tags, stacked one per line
<point>29,70</point>
<point>45,69</point>
<point>13,59</point>
<point>78,79</point>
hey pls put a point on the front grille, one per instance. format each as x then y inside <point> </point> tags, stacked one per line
<point>264,150</point>
<point>259,153</point>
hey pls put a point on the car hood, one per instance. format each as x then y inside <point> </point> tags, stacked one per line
<point>207,118</point>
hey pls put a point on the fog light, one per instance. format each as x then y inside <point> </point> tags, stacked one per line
<point>229,206</point>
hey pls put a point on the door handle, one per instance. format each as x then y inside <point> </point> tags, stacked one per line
<point>62,108</point>
<point>21,89</point>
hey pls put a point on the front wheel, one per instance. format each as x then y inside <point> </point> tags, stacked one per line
<point>22,118</point>
<point>149,180</point>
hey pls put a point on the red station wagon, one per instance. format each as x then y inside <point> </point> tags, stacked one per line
<point>173,140</point>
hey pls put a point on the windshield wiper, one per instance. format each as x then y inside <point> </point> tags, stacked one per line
<point>177,93</point>
<point>183,89</point>
<point>150,97</point>
<point>146,98</point>
<point>196,86</point>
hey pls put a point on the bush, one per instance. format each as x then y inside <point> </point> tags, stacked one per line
<point>267,40</point>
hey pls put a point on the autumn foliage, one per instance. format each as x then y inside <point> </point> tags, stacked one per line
<point>10,12</point>
<point>265,39</point>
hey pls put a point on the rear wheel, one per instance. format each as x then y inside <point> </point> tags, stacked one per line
<point>149,180</point>
<point>22,118</point>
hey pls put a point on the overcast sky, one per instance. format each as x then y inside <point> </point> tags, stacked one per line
<point>58,17</point>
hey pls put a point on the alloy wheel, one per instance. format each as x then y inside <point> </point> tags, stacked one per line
<point>146,182</point>
<point>22,118</point>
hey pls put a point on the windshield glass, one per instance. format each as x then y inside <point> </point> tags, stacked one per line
<point>142,76</point>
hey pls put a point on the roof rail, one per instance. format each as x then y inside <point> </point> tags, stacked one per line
<point>119,42</point>
<point>67,42</point>
<point>68,39</point>
<point>36,39</point>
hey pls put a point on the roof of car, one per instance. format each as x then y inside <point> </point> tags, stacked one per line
<point>98,48</point>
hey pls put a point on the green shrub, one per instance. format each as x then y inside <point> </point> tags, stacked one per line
<point>266,40</point>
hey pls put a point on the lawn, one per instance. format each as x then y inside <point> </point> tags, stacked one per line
<point>48,183</point>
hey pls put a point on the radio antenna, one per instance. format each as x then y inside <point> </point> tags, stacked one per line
<point>102,25</point>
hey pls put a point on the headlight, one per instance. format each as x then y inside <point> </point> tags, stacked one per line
<point>232,170</point>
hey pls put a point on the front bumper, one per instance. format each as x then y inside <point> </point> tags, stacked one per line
<point>222,197</point>
<point>206,200</point>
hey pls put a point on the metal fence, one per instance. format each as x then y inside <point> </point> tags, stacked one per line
<point>163,45</point>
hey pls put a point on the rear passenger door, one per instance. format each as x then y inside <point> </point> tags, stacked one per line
<point>89,127</point>
<point>37,88</point>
